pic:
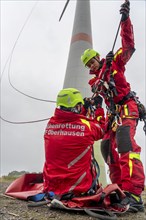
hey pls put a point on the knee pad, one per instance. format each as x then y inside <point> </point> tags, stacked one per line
<point>106,151</point>
<point>123,139</point>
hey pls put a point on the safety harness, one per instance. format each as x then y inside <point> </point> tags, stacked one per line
<point>141,107</point>
<point>110,92</point>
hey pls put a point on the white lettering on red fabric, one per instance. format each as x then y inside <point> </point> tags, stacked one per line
<point>65,129</point>
<point>64,133</point>
<point>67,125</point>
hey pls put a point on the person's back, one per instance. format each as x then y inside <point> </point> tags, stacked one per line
<point>69,137</point>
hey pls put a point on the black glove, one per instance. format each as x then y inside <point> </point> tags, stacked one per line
<point>93,89</point>
<point>98,101</point>
<point>109,57</point>
<point>125,9</point>
<point>87,103</point>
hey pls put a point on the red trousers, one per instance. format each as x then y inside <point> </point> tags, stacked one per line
<point>122,153</point>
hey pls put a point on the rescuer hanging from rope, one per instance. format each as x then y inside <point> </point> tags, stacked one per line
<point>119,148</point>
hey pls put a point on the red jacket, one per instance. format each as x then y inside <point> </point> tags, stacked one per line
<point>117,68</point>
<point>68,146</point>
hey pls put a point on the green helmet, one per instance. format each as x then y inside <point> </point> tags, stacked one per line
<point>88,55</point>
<point>69,98</point>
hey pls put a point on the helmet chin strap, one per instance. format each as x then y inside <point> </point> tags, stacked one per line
<point>100,62</point>
<point>97,60</point>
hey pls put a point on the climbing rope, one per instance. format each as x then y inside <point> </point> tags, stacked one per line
<point>9,78</point>
<point>23,122</point>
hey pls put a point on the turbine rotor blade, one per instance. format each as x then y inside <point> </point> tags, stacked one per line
<point>64,9</point>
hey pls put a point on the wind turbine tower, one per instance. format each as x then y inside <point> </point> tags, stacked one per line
<point>76,74</point>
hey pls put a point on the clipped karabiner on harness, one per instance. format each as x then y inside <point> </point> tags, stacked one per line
<point>142,111</point>
<point>142,114</point>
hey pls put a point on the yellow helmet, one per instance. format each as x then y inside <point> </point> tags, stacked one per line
<point>69,98</point>
<point>88,55</point>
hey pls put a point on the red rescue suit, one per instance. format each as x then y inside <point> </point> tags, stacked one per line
<point>68,152</point>
<point>125,166</point>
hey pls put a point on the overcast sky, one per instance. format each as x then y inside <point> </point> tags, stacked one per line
<point>38,68</point>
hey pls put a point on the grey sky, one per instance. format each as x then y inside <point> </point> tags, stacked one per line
<point>38,69</point>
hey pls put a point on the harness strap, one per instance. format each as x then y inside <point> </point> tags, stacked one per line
<point>97,168</point>
<point>141,107</point>
<point>94,183</point>
<point>131,94</point>
<point>113,187</point>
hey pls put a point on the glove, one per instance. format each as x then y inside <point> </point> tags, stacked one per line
<point>93,88</point>
<point>87,103</point>
<point>109,57</point>
<point>98,101</point>
<point>125,9</point>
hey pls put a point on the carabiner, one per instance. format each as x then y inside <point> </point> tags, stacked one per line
<point>118,120</point>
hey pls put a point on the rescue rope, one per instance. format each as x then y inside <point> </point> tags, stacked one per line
<point>29,96</point>
<point>23,122</point>
<point>117,31</point>
<point>9,66</point>
<point>116,36</point>
<point>10,60</point>
<point>21,30</point>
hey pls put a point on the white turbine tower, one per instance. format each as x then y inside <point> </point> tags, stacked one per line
<point>76,74</point>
